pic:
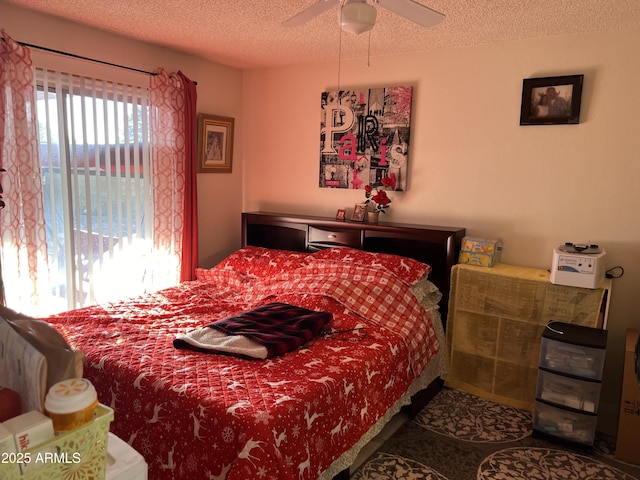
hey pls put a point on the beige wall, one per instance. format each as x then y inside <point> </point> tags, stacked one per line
<point>471,164</point>
<point>219,93</point>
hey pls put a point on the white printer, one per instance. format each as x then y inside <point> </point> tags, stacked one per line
<point>578,265</point>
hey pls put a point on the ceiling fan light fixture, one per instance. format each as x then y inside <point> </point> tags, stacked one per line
<point>357,17</point>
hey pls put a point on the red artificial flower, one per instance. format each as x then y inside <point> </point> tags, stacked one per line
<point>377,197</point>
<point>381,198</point>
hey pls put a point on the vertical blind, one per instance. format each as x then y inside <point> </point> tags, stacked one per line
<point>96,172</point>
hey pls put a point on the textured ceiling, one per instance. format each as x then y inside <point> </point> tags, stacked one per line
<point>248,34</point>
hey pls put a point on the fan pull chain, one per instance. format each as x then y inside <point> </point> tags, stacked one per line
<point>339,55</point>
<point>369,51</point>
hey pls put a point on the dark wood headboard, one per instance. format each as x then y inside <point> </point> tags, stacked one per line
<point>437,246</point>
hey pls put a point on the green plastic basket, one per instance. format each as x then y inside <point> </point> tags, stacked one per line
<point>77,455</point>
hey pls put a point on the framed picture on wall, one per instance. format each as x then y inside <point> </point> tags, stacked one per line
<point>215,143</point>
<point>551,100</point>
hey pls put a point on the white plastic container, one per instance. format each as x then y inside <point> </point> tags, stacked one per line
<point>71,404</point>
<point>123,461</point>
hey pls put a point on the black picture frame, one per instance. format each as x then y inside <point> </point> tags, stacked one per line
<point>538,109</point>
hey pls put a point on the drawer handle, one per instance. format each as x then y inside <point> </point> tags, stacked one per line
<point>332,237</point>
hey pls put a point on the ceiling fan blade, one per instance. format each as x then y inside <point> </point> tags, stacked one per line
<point>413,11</point>
<point>310,13</point>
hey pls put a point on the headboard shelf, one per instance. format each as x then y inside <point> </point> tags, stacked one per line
<point>436,245</point>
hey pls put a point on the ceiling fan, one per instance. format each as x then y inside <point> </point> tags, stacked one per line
<point>358,16</point>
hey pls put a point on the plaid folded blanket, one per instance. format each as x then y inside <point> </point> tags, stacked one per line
<point>264,332</point>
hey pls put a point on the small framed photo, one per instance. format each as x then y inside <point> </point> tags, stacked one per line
<point>215,143</point>
<point>341,215</point>
<point>551,100</point>
<point>359,211</point>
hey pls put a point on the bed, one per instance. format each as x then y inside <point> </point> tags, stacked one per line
<point>193,412</point>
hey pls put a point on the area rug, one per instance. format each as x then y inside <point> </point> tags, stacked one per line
<point>459,436</point>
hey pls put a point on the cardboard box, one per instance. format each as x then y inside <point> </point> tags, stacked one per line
<point>629,422</point>
<point>480,252</point>
<point>30,429</point>
<point>8,451</point>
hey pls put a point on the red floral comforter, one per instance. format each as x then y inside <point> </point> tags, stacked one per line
<point>206,416</point>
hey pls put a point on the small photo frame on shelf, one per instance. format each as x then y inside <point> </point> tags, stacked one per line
<point>341,215</point>
<point>551,100</point>
<point>215,143</point>
<point>359,212</point>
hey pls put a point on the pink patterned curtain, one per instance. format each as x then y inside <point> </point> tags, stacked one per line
<point>172,104</point>
<point>22,223</point>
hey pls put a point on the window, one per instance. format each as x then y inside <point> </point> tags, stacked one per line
<point>95,157</point>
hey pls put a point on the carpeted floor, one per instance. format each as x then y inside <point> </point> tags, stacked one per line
<point>461,437</point>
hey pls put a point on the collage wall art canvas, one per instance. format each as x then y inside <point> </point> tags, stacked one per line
<point>364,137</point>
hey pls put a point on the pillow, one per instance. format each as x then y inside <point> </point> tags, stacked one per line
<point>262,262</point>
<point>221,276</point>
<point>427,293</point>
<point>406,269</point>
